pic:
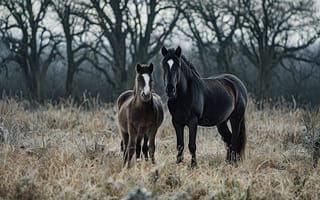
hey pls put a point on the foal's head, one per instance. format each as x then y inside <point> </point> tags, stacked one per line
<point>143,83</point>
<point>171,67</point>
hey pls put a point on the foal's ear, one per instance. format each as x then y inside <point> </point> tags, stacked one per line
<point>164,51</point>
<point>151,68</point>
<point>178,51</point>
<point>138,68</point>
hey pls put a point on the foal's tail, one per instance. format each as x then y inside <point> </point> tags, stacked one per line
<point>242,138</point>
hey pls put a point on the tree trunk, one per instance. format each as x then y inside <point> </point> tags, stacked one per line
<point>69,81</point>
<point>70,69</point>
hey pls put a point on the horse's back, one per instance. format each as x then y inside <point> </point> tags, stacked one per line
<point>223,94</point>
<point>234,80</point>
<point>239,87</point>
<point>235,83</point>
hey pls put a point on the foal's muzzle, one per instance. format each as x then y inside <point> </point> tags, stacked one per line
<point>146,96</point>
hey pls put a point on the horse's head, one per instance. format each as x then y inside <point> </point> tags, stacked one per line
<point>143,84</point>
<point>171,64</point>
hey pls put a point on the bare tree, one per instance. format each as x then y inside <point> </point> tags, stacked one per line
<point>274,30</point>
<point>300,72</point>
<point>32,45</point>
<point>212,26</point>
<point>130,31</point>
<point>74,29</point>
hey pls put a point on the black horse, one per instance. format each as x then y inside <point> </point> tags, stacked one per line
<point>200,101</point>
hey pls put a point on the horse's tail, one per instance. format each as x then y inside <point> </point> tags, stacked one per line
<point>242,138</point>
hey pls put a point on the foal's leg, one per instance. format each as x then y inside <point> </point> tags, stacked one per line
<point>124,146</point>
<point>180,141</point>
<point>138,147</point>
<point>152,146</point>
<point>145,147</point>
<point>132,144</point>
<point>226,136</point>
<point>121,146</point>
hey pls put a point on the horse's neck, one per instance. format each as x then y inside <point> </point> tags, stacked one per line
<point>184,84</point>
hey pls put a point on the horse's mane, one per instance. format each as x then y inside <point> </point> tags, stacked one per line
<point>187,67</point>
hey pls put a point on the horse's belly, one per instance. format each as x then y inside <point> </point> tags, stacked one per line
<point>212,122</point>
<point>206,122</point>
<point>213,116</point>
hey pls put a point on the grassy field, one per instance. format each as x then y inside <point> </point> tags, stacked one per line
<point>73,152</point>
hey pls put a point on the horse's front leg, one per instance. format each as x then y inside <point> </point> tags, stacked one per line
<point>180,141</point>
<point>192,142</point>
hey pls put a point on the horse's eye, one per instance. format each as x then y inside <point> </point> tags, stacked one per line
<point>165,66</point>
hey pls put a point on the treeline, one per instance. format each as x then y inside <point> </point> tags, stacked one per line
<point>61,48</point>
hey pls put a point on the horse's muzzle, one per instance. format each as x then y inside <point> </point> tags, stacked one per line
<point>171,91</point>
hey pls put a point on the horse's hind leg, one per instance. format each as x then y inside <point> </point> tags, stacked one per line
<point>238,139</point>
<point>226,136</point>
<point>145,147</point>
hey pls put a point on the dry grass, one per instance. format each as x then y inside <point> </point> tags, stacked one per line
<point>66,152</point>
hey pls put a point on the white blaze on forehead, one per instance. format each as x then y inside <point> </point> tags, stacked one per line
<point>170,63</point>
<point>146,88</point>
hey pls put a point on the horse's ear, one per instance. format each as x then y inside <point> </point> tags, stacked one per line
<point>151,67</point>
<point>164,51</point>
<point>138,68</point>
<point>178,51</point>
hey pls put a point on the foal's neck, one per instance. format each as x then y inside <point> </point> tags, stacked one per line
<point>139,103</point>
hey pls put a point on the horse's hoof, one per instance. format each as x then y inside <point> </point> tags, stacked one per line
<point>193,164</point>
<point>124,163</point>
<point>146,158</point>
<point>179,159</point>
<point>129,166</point>
<point>233,158</point>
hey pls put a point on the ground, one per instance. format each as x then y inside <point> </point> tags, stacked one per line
<point>69,151</point>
